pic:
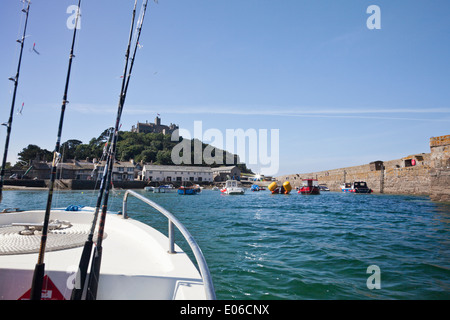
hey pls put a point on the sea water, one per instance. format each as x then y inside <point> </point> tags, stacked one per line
<point>291,247</point>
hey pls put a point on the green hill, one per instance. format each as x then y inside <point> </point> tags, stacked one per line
<point>153,148</point>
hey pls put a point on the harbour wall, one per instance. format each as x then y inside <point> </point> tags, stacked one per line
<point>418,174</point>
<point>440,171</point>
<point>391,177</point>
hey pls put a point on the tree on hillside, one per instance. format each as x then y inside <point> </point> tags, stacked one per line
<point>146,147</point>
<point>68,148</point>
<point>33,152</point>
<point>164,157</point>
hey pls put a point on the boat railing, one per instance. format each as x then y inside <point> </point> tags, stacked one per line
<point>173,221</point>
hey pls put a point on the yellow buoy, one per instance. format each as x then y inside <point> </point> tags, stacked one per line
<point>287,187</point>
<point>272,186</point>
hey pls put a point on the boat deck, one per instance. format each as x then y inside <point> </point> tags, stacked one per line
<point>135,261</point>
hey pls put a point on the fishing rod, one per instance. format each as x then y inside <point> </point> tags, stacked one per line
<point>96,261</point>
<point>77,292</point>
<point>38,276</point>
<point>11,115</point>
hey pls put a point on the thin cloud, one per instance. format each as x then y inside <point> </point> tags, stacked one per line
<point>363,113</point>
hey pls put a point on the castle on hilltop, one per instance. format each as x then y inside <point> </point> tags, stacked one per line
<point>156,127</point>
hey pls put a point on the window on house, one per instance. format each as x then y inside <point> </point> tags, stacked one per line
<point>408,163</point>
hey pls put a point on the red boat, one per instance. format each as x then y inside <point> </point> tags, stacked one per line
<point>310,186</point>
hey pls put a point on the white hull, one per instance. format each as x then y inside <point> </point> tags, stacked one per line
<point>135,264</point>
<point>232,188</point>
<point>234,191</point>
<point>160,189</point>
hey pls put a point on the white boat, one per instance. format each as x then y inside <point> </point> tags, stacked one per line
<point>232,187</point>
<point>169,188</point>
<point>161,189</point>
<point>138,261</point>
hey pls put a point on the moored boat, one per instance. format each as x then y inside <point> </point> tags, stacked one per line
<point>232,188</point>
<point>188,190</point>
<point>356,187</point>
<point>161,189</point>
<point>310,186</point>
<point>256,187</point>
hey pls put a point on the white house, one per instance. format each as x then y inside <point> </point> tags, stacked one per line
<point>122,171</point>
<point>176,173</point>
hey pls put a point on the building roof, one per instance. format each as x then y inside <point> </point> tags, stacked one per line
<point>80,165</point>
<point>176,168</point>
<point>223,169</point>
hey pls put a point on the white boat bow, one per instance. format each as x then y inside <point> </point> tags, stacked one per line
<point>139,262</point>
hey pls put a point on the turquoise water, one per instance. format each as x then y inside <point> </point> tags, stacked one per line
<point>264,246</point>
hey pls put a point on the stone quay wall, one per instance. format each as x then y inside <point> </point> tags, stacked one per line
<point>440,173</point>
<point>394,176</point>
<point>417,174</point>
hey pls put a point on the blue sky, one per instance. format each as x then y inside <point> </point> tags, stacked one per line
<point>340,94</point>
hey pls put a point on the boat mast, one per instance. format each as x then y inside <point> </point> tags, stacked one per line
<point>11,115</point>
<point>36,288</point>
<point>96,262</point>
